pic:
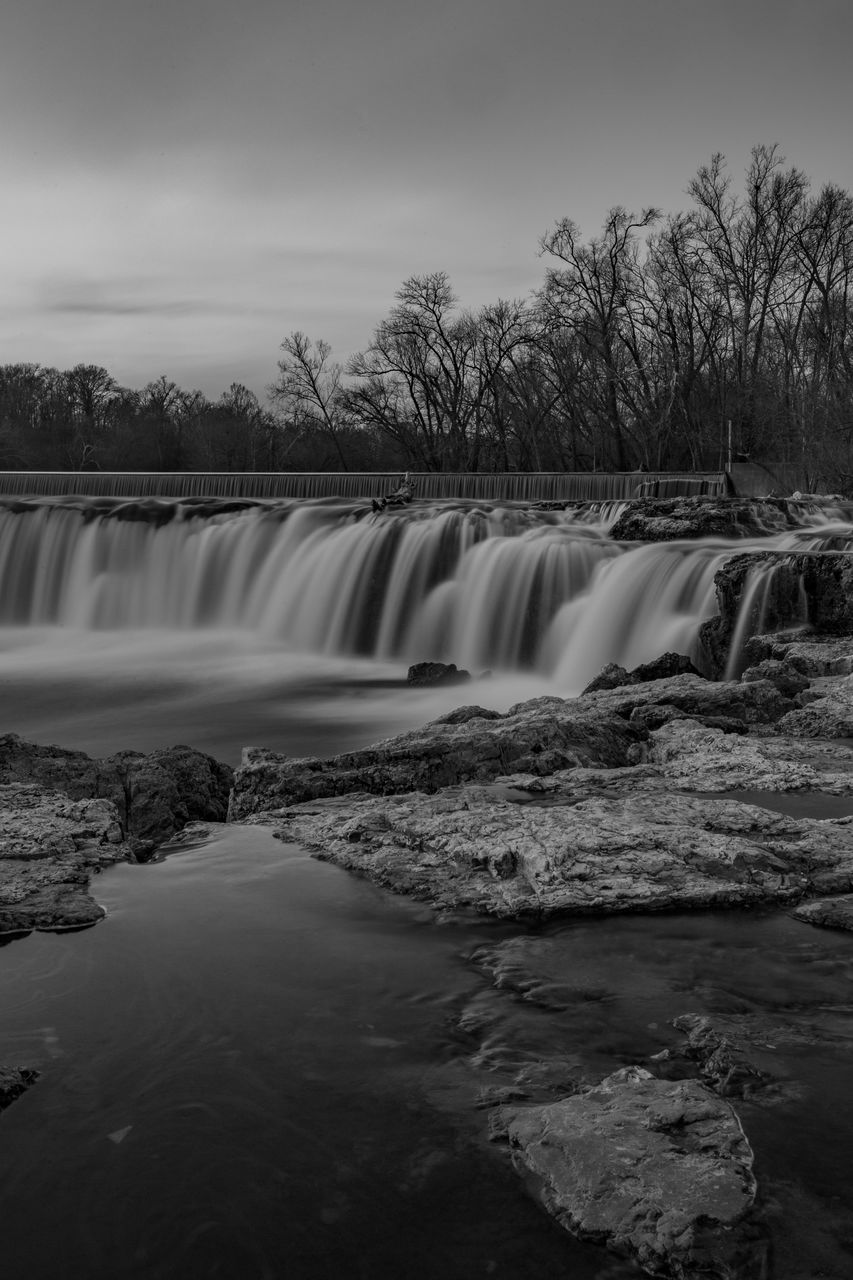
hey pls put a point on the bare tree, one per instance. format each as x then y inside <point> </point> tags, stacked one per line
<point>309,390</point>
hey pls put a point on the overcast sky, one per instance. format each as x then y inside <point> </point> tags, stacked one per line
<point>187,181</point>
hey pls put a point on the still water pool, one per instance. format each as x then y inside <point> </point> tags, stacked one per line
<point>261,1066</point>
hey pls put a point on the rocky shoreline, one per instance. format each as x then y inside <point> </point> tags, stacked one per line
<point>655,790</point>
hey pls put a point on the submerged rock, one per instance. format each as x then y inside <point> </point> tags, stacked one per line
<point>657,1170</point>
<point>13,1082</point>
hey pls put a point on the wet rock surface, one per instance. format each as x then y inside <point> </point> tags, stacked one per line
<point>49,845</point>
<point>669,519</point>
<point>537,736</point>
<point>803,590</point>
<point>13,1082</point>
<point>828,913</point>
<point>64,815</point>
<point>155,794</point>
<point>657,1170</point>
<point>465,848</point>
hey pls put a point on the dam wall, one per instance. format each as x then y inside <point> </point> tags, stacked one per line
<point>545,486</point>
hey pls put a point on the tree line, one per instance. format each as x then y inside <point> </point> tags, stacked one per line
<point>639,348</point>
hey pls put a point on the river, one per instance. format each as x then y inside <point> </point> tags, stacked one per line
<point>261,1066</point>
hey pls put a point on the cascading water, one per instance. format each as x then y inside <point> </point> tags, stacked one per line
<point>506,587</point>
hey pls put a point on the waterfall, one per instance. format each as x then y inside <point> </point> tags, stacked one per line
<point>545,486</point>
<point>483,585</point>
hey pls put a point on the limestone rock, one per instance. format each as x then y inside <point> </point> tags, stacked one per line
<point>49,844</point>
<point>170,787</point>
<point>706,759</point>
<point>669,664</point>
<point>467,848</point>
<point>668,519</point>
<point>758,702</point>
<point>155,794</point>
<point>812,590</point>
<point>535,737</point>
<point>830,716</point>
<point>829,913</point>
<point>787,679</point>
<point>657,1170</point>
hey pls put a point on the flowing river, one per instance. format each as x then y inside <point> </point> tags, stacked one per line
<point>261,1066</point>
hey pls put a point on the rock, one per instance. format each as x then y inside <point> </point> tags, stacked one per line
<point>658,1170</point>
<point>828,913</point>
<point>610,677</point>
<point>436,673</point>
<point>49,844</point>
<point>722,1061</point>
<point>707,759</point>
<point>155,794</point>
<point>170,787</point>
<point>769,591</point>
<point>534,737</point>
<point>830,716</point>
<point>467,848</point>
<point>13,1082</point>
<point>671,519</point>
<point>669,664</point>
<point>461,715</point>
<point>758,702</point>
<point>787,679</point>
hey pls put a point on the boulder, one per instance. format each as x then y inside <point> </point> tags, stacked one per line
<point>657,1170</point>
<point>436,673</point>
<point>170,787</point>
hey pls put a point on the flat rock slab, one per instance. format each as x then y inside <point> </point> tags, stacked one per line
<point>829,913</point>
<point>705,759</point>
<point>657,1170</point>
<point>49,844</point>
<point>463,848</point>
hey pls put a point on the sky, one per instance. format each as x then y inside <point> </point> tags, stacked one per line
<point>189,181</point>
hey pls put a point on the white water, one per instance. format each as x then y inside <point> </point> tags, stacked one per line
<point>224,624</point>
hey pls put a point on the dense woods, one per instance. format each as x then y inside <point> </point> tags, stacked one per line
<point>639,347</point>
